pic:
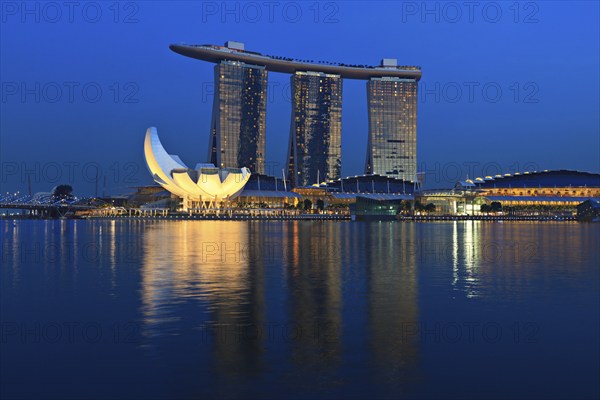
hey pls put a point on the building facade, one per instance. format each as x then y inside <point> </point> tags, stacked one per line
<point>315,145</point>
<point>205,186</point>
<point>392,140</point>
<point>528,193</point>
<point>237,137</point>
<point>314,152</point>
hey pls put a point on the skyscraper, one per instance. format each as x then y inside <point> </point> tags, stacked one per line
<point>237,137</point>
<point>392,142</point>
<point>315,152</point>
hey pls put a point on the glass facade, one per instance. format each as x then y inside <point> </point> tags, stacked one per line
<point>392,143</point>
<point>237,137</point>
<point>315,151</point>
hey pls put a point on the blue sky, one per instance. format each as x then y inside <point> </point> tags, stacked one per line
<point>506,86</point>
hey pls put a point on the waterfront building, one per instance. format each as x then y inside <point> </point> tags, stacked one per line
<point>589,211</point>
<point>266,191</point>
<point>556,183</point>
<point>314,151</point>
<point>392,141</point>
<point>315,145</point>
<point>371,183</point>
<point>150,195</point>
<point>366,208</point>
<point>345,192</point>
<point>205,186</point>
<point>537,191</point>
<point>238,127</point>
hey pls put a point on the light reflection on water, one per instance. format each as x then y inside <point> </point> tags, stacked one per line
<point>336,309</point>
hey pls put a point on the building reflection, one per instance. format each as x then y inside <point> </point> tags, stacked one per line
<point>330,290</point>
<point>350,294</point>
<point>10,253</point>
<point>508,260</point>
<point>515,258</point>
<point>217,264</point>
<point>392,289</point>
<point>313,257</point>
<point>466,251</point>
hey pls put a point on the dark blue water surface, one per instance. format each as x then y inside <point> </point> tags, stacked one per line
<point>203,309</point>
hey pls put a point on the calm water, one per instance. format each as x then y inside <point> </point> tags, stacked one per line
<point>199,309</point>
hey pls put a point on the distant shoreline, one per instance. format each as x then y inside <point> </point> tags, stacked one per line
<point>309,217</point>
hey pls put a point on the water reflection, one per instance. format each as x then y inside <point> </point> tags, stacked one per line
<point>245,295</point>
<point>393,291</point>
<point>313,268</point>
<point>298,308</point>
<point>466,257</point>
<point>214,271</point>
<point>511,259</point>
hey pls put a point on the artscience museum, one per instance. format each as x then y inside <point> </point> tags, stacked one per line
<point>204,186</point>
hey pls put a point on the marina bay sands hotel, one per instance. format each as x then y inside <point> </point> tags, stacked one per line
<point>238,127</point>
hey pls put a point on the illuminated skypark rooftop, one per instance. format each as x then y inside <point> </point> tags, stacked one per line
<point>234,51</point>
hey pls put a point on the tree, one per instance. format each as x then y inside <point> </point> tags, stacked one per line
<point>63,192</point>
<point>307,204</point>
<point>419,206</point>
<point>320,204</point>
<point>496,206</point>
<point>485,208</point>
<point>430,207</point>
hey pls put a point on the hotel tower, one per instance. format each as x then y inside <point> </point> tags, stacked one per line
<point>315,145</point>
<point>314,153</point>
<point>237,134</point>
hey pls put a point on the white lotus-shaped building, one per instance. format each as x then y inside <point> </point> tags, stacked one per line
<point>198,187</point>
